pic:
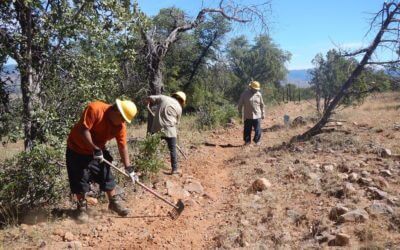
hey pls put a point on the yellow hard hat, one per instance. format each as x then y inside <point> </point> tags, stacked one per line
<point>254,85</point>
<point>127,109</point>
<point>181,96</point>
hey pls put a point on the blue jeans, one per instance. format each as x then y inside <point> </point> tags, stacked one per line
<point>248,125</point>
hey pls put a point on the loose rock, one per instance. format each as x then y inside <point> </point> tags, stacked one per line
<point>377,193</point>
<point>261,184</point>
<point>328,167</point>
<point>386,173</point>
<point>340,240</point>
<point>385,153</point>
<point>337,211</point>
<point>68,236</point>
<point>358,215</point>
<point>378,207</point>
<point>194,187</point>
<point>348,188</point>
<point>353,177</point>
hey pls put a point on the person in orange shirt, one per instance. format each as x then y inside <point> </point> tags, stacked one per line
<point>99,123</point>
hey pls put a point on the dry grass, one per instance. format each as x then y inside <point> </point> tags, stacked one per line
<point>9,150</point>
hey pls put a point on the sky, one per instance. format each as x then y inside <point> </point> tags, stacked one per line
<point>302,27</point>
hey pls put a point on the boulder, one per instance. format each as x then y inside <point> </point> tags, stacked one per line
<point>261,184</point>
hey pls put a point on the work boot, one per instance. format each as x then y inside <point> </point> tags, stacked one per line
<point>116,206</point>
<point>176,171</point>
<point>82,215</point>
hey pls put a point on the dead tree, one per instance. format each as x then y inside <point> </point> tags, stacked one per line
<point>388,36</point>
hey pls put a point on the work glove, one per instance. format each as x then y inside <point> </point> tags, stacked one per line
<point>130,171</point>
<point>98,155</point>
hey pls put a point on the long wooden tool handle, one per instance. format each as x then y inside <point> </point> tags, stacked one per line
<point>142,185</point>
<point>180,150</point>
<point>149,109</point>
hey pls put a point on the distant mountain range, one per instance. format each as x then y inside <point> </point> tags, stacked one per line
<point>299,77</point>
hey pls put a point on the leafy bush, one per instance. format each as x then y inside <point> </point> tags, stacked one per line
<point>30,179</point>
<point>212,115</point>
<point>148,160</point>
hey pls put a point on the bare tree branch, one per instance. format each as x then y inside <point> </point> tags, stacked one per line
<point>383,63</point>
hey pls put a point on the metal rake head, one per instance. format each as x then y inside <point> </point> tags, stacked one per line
<point>174,214</point>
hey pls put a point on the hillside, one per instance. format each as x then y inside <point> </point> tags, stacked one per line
<point>338,189</point>
<point>299,77</point>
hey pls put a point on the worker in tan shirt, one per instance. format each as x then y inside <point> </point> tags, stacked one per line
<point>251,104</point>
<point>166,118</point>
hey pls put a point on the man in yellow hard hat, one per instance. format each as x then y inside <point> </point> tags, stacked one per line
<point>86,148</point>
<point>252,105</point>
<point>166,118</point>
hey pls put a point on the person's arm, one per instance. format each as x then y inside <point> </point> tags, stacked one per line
<point>153,99</point>
<point>88,137</point>
<point>121,139</point>
<point>123,152</point>
<point>240,104</point>
<point>88,118</point>
<point>262,107</point>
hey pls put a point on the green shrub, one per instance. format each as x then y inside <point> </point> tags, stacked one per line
<point>212,115</point>
<point>30,179</point>
<point>148,160</point>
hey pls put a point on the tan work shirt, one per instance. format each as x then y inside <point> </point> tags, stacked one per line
<point>167,115</point>
<point>252,104</point>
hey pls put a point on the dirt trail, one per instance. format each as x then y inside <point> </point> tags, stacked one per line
<point>148,226</point>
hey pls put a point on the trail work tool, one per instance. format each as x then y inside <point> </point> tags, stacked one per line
<point>177,146</point>
<point>178,207</point>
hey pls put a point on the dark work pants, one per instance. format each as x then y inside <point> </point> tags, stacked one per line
<point>248,125</point>
<point>171,141</point>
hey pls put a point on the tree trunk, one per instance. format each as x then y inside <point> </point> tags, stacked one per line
<point>30,99</point>
<point>155,82</point>
<point>29,87</point>
<point>199,60</point>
